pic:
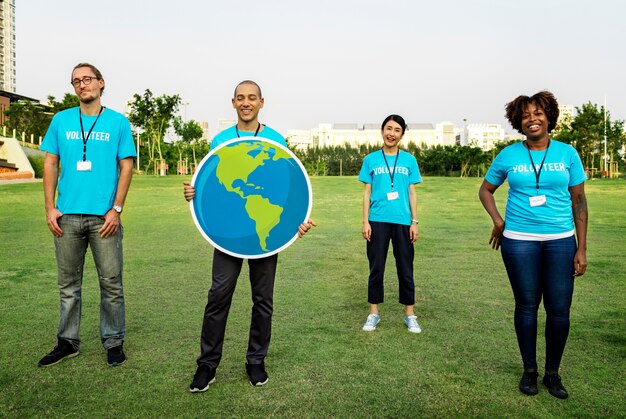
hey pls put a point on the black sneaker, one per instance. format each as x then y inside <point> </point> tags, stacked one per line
<point>256,373</point>
<point>528,383</point>
<point>553,382</point>
<point>116,356</point>
<point>64,349</point>
<point>204,376</point>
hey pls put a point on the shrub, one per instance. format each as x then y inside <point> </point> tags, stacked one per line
<point>37,163</point>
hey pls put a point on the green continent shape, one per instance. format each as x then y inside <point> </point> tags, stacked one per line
<point>265,214</point>
<point>237,164</point>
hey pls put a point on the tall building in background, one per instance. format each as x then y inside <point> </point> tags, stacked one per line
<point>205,130</point>
<point>7,46</point>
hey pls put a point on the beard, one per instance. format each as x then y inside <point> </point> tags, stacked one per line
<point>87,100</point>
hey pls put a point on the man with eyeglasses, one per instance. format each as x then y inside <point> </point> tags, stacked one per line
<point>93,146</point>
<point>247,101</point>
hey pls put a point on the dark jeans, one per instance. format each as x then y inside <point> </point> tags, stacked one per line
<point>541,269</point>
<point>403,252</point>
<point>226,270</point>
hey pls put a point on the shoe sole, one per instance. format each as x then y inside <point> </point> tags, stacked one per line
<point>116,364</point>
<point>529,393</point>
<point>370,328</point>
<point>60,360</point>
<point>259,384</point>
<point>562,397</point>
<point>200,390</point>
<point>414,331</point>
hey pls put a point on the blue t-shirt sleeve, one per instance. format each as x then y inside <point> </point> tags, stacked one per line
<point>50,142</point>
<point>496,173</point>
<point>577,173</point>
<point>414,175</point>
<point>365,174</point>
<point>127,145</point>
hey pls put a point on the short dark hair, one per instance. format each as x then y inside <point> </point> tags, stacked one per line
<point>94,69</point>
<point>544,100</point>
<point>395,118</point>
<point>248,82</point>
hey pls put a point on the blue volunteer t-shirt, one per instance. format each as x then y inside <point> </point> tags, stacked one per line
<point>562,168</point>
<point>88,192</point>
<point>377,173</point>
<point>231,133</point>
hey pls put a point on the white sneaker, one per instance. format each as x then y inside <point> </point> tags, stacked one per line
<point>411,324</point>
<point>371,322</point>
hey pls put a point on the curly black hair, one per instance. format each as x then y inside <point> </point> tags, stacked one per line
<point>544,100</point>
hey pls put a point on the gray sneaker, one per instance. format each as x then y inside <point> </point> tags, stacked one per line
<point>371,322</point>
<point>411,324</point>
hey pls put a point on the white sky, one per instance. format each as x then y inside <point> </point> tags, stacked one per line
<point>331,61</point>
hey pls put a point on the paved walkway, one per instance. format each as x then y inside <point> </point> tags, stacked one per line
<point>13,181</point>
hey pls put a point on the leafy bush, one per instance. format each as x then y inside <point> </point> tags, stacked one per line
<point>37,163</point>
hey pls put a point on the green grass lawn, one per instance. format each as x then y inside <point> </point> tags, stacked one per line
<point>464,363</point>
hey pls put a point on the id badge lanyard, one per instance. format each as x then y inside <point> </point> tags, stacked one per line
<point>255,132</point>
<point>391,173</point>
<point>537,172</point>
<point>82,131</point>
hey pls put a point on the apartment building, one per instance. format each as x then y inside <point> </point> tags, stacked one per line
<point>354,135</point>
<point>7,46</point>
<point>484,136</point>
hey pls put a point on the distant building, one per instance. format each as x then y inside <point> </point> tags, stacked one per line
<point>566,116</point>
<point>222,124</point>
<point>7,98</point>
<point>355,135</point>
<point>484,136</point>
<point>205,130</point>
<point>300,139</point>
<point>7,46</point>
<point>422,134</point>
<point>514,136</point>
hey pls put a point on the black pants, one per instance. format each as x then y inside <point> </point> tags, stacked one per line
<point>226,270</point>
<point>403,252</point>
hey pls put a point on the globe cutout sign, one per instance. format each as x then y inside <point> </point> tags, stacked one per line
<point>251,195</point>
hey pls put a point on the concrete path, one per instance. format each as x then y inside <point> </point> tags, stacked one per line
<point>14,181</point>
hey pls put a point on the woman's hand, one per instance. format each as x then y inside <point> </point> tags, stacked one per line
<point>496,235</point>
<point>366,230</point>
<point>580,262</point>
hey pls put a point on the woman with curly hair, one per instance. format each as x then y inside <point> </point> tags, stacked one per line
<point>544,233</point>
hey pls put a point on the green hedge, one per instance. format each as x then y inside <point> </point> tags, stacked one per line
<point>37,163</point>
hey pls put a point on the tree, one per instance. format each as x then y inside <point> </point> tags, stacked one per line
<point>153,115</point>
<point>189,132</point>
<point>472,159</point>
<point>34,118</point>
<point>28,117</point>
<point>69,101</point>
<point>586,134</point>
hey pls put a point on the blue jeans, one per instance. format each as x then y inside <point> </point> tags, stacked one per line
<point>79,232</point>
<point>541,269</point>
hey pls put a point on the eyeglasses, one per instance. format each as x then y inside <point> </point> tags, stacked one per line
<point>85,80</point>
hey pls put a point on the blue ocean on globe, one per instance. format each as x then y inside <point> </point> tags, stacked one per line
<point>251,197</point>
